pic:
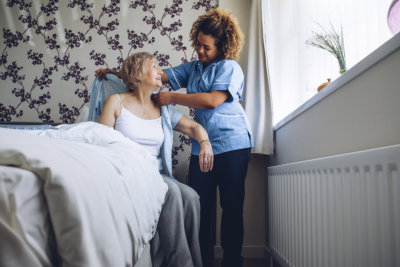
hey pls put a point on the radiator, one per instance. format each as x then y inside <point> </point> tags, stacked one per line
<point>337,211</point>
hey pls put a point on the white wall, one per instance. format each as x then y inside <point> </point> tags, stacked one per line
<point>359,111</point>
<point>362,114</point>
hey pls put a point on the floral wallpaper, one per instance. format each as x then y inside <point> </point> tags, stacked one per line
<point>51,49</point>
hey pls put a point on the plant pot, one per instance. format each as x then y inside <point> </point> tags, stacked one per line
<point>322,86</point>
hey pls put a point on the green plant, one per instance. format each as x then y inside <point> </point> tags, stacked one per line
<point>331,41</point>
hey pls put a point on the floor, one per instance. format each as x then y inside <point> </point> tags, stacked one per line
<point>246,263</point>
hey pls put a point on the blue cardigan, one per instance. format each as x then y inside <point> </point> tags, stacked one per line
<point>102,89</point>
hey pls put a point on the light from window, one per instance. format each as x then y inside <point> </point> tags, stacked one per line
<point>296,69</point>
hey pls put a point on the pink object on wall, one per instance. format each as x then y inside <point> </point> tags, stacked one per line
<point>393,17</point>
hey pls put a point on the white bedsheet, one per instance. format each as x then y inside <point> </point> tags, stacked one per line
<point>24,221</point>
<point>103,192</point>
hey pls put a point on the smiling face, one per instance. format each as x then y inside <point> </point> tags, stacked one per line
<point>206,48</point>
<point>151,74</point>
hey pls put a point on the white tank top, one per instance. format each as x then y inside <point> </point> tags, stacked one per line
<point>148,133</point>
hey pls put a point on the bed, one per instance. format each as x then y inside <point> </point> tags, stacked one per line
<point>77,195</point>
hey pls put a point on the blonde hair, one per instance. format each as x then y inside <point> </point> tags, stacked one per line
<point>132,69</point>
<point>224,27</point>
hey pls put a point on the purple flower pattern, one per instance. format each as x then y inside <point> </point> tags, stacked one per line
<point>59,59</point>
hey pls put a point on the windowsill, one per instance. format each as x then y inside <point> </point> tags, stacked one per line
<point>380,53</point>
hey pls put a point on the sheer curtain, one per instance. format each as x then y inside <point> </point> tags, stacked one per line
<point>296,69</point>
<point>257,101</point>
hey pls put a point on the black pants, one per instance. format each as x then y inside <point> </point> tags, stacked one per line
<point>229,173</point>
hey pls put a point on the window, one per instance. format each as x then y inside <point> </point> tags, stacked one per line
<point>296,69</point>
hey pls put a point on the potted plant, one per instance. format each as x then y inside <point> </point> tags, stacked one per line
<point>331,41</point>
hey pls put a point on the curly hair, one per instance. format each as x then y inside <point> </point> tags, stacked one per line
<point>224,27</point>
<point>132,69</point>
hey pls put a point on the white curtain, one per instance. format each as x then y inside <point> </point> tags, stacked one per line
<point>296,69</point>
<point>257,100</point>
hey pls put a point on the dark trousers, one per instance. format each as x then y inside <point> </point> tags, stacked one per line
<point>229,174</point>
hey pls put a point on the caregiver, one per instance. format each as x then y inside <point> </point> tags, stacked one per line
<point>214,88</point>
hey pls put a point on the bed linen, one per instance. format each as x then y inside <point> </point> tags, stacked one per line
<point>102,192</point>
<point>24,221</point>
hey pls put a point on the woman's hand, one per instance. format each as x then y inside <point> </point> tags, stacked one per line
<point>101,73</point>
<point>163,98</point>
<point>197,132</point>
<point>206,156</point>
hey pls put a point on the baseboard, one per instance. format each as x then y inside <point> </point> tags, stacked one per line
<point>248,252</point>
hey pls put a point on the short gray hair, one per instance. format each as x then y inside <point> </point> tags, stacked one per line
<point>133,69</point>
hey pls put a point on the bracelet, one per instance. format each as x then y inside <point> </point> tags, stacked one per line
<point>204,140</point>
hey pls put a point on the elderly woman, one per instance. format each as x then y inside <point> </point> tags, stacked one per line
<point>140,119</point>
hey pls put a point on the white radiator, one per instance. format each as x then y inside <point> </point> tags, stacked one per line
<point>337,211</point>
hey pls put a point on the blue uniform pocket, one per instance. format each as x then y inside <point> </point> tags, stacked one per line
<point>232,128</point>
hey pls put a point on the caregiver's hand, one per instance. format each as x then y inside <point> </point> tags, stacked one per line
<point>163,98</point>
<point>101,73</point>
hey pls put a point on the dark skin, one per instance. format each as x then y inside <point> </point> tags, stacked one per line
<point>101,73</point>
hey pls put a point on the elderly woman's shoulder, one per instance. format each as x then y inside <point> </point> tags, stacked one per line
<point>118,97</point>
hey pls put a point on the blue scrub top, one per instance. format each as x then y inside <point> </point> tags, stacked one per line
<point>227,125</point>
